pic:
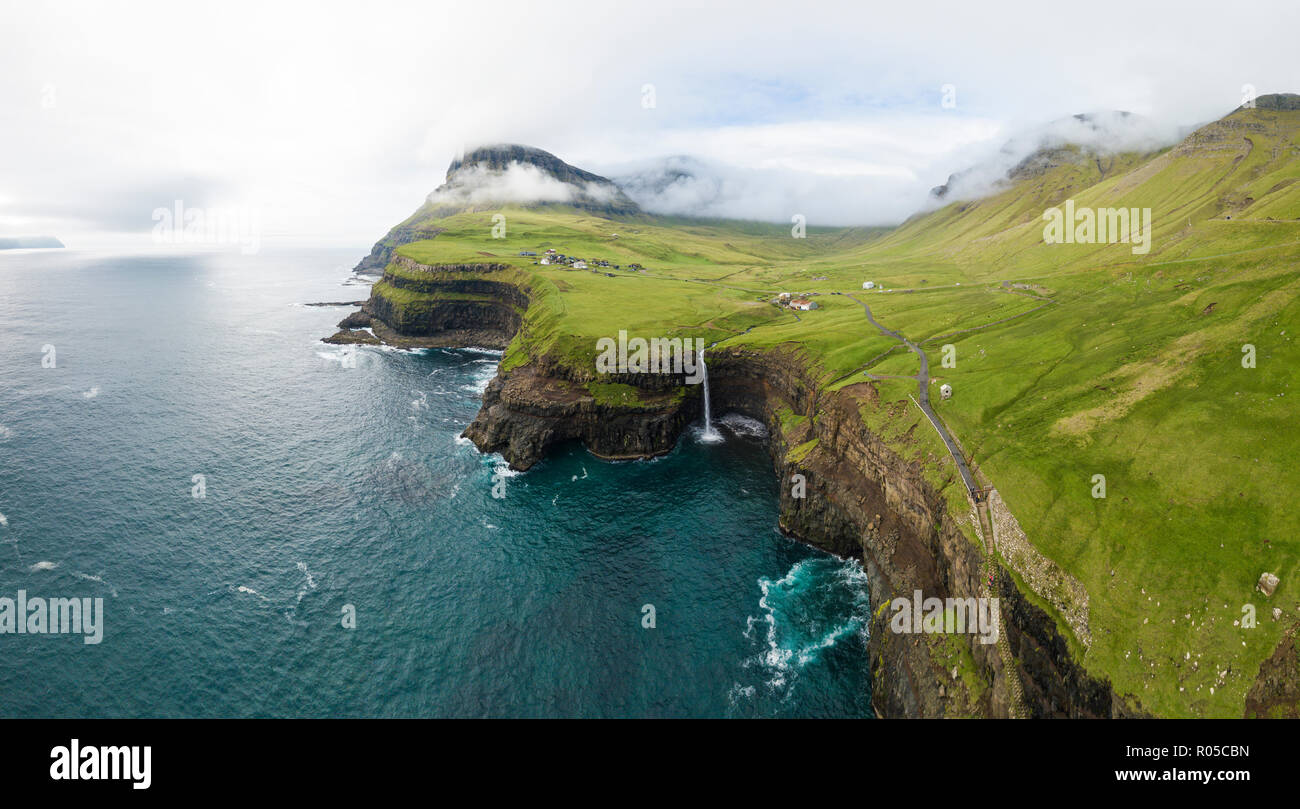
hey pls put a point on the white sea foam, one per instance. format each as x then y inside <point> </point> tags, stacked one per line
<point>705,435</point>
<point>336,354</point>
<point>5,432</point>
<point>401,350</point>
<point>741,424</point>
<point>482,378</point>
<point>787,646</point>
<point>92,393</point>
<point>501,468</point>
<point>43,566</point>
<point>98,580</point>
<point>740,692</point>
<point>250,591</point>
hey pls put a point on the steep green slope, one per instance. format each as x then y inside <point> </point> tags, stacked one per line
<point>1072,360</point>
<point>1241,168</point>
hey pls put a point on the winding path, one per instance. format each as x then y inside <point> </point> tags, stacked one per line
<point>1015,691</point>
<point>923,398</point>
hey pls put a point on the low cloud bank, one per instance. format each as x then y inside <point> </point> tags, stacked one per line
<point>1102,133</point>
<point>518,183</point>
<point>686,186</point>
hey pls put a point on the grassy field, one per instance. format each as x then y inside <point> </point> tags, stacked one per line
<point>1098,362</point>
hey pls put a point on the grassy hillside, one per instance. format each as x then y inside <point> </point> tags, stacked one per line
<point>1073,360</point>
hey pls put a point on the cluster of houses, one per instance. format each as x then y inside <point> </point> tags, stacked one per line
<point>802,302</point>
<point>554,257</point>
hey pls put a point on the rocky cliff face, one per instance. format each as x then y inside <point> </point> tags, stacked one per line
<point>526,412</point>
<point>861,498</point>
<point>417,305</point>
<point>412,230</point>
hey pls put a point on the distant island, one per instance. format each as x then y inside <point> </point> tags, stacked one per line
<point>21,242</point>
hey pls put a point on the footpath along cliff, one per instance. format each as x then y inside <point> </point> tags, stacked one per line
<point>861,498</point>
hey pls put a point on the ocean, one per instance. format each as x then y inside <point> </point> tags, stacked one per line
<point>278,529</point>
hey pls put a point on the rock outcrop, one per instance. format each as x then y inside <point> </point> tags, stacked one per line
<point>526,412</point>
<point>416,305</point>
<point>860,499</point>
<point>471,184</point>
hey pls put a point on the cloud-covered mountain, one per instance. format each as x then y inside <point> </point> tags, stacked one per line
<point>502,174</point>
<point>490,176</point>
<point>1070,139</point>
<point>687,186</point>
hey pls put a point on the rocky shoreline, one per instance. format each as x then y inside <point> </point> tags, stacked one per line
<point>861,498</point>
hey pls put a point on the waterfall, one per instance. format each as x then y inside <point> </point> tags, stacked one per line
<point>711,435</point>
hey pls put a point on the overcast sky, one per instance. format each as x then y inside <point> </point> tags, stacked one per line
<point>333,122</point>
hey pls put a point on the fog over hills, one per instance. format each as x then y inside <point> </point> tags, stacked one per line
<point>512,173</point>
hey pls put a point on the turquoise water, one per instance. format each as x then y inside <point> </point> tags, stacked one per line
<point>328,486</point>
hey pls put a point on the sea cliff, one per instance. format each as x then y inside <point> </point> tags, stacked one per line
<point>860,497</point>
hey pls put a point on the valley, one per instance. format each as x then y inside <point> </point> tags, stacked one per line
<point>1071,362</point>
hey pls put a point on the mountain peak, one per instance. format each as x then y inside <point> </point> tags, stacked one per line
<point>499,156</point>
<point>1088,138</point>
<point>1276,101</point>
<point>506,173</point>
<point>488,177</point>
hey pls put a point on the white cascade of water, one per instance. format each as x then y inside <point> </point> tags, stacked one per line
<point>709,434</point>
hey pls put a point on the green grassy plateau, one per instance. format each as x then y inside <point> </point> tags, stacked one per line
<point>1072,360</point>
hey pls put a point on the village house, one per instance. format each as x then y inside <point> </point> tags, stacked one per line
<point>868,284</point>
<point>579,264</point>
<point>804,304</point>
